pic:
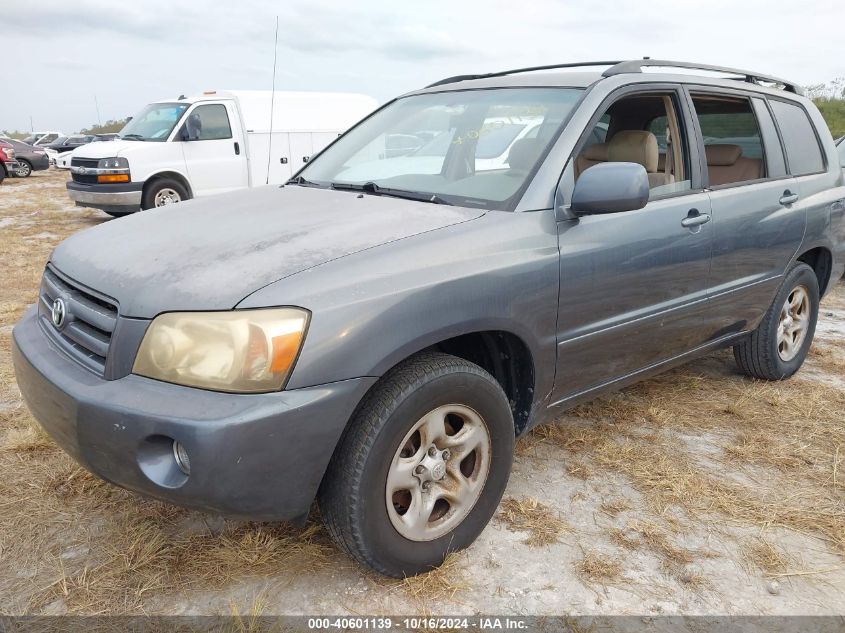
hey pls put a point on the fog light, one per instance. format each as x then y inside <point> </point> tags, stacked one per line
<point>181,457</point>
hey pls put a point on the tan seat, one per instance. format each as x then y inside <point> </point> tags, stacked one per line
<point>592,155</point>
<point>638,146</point>
<point>726,164</point>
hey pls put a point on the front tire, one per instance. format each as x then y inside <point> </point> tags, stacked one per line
<point>422,466</point>
<point>779,345</point>
<point>162,192</point>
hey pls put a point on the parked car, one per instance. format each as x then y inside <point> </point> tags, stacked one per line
<point>379,343</point>
<point>69,143</point>
<point>8,164</point>
<point>62,161</point>
<point>29,157</point>
<point>211,143</point>
<point>42,138</point>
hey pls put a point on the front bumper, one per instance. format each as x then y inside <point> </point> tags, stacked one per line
<point>125,197</point>
<point>258,456</point>
<point>39,162</point>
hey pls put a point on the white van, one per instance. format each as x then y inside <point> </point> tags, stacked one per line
<point>218,141</point>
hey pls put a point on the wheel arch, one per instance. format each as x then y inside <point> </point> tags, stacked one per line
<point>501,352</point>
<point>820,259</point>
<point>175,175</point>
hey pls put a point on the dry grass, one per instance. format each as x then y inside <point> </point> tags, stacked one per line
<point>543,526</point>
<point>440,583</point>
<point>767,556</point>
<point>598,568</point>
<point>782,444</point>
<point>613,507</point>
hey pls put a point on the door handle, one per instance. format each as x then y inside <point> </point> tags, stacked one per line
<point>237,149</point>
<point>788,197</point>
<point>694,218</point>
<point>283,160</point>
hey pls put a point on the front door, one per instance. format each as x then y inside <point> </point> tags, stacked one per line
<point>214,151</point>
<point>633,284</point>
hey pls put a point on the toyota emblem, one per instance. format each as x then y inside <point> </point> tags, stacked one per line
<point>58,313</point>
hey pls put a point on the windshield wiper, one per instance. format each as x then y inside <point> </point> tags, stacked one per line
<point>371,187</point>
<point>134,137</point>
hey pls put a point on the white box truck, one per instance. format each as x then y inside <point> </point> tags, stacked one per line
<point>218,141</point>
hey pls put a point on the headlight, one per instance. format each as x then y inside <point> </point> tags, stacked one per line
<point>242,351</point>
<point>113,163</point>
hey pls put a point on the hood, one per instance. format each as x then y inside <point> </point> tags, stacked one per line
<point>209,254</point>
<point>110,149</point>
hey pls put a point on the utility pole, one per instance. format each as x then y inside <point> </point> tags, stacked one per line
<point>31,126</point>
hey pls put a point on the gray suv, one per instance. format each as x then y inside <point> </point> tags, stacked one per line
<point>376,333</point>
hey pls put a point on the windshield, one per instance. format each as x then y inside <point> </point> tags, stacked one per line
<point>473,148</point>
<point>155,122</point>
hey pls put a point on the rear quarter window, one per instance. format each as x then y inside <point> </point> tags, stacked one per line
<point>803,153</point>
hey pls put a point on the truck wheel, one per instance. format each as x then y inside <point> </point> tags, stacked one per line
<point>421,467</point>
<point>163,191</point>
<point>779,345</point>
<point>24,169</point>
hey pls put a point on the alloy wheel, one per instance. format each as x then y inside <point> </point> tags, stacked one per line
<point>438,472</point>
<point>794,323</point>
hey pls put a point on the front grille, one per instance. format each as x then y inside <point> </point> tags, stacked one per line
<point>84,162</point>
<point>92,163</point>
<point>89,320</point>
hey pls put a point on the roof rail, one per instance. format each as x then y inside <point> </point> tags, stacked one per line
<point>502,73</point>
<point>637,65</point>
<point>633,66</point>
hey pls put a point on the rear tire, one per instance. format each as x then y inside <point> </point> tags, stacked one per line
<point>779,345</point>
<point>24,170</point>
<point>163,191</point>
<point>464,469</point>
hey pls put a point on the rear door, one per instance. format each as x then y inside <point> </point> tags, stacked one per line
<point>758,217</point>
<point>215,155</point>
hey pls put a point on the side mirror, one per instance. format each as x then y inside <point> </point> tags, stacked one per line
<point>610,188</point>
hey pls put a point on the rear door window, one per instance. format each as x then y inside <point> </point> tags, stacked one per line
<point>803,153</point>
<point>733,144</point>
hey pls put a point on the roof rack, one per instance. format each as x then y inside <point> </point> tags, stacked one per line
<point>633,66</point>
<point>515,71</point>
<point>637,65</point>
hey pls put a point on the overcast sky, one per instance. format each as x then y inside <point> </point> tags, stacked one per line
<point>58,55</point>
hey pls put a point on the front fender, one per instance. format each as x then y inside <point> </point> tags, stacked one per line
<point>372,309</point>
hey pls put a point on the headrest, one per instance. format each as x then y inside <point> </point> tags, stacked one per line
<point>523,153</point>
<point>722,155</point>
<point>634,146</point>
<point>596,151</point>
